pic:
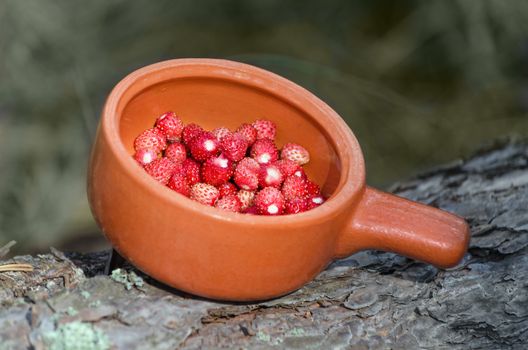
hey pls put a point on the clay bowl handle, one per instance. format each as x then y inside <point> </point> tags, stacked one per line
<point>387,222</point>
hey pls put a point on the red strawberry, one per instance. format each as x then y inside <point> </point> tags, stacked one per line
<point>293,187</point>
<point>178,182</point>
<point>170,125</point>
<point>192,171</point>
<point>269,201</point>
<point>295,152</point>
<point>190,131</point>
<point>266,129</point>
<point>246,198</point>
<point>270,175</point>
<point>315,201</point>
<point>176,152</point>
<point>264,151</point>
<point>312,189</point>
<point>296,205</point>
<point>246,174</point>
<point>234,146</point>
<point>287,167</point>
<point>145,156</point>
<point>217,170</point>
<point>150,139</point>
<point>227,189</point>
<point>219,133</point>
<point>252,210</point>
<point>161,169</point>
<point>249,133</point>
<point>204,146</point>
<point>204,193</point>
<point>229,203</point>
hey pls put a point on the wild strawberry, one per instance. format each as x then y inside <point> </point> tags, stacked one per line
<point>295,152</point>
<point>219,133</point>
<point>269,201</point>
<point>190,131</point>
<point>204,193</point>
<point>287,167</point>
<point>252,210</point>
<point>234,146</point>
<point>176,152</point>
<point>312,189</point>
<point>315,201</point>
<point>246,198</point>
<point>266,129</point>
<point>217,170</point>
<point>293,187</point>
<point>219,156</point>
<point>161,169</point>
<point>192,171</point>
<point>270,175</point>
<point>227,189</point>
<point>204,146</point>
<point>249,133</point>
<point>296,205</point>
<point>150,139</point>
<point>178,182</point>
<point>170,125</point>
<point>246,174</point>
<point>229,203</point>
<point>264,151</point>
<point>145,156</point>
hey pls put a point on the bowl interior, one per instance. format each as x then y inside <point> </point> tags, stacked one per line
<point>215,102</point>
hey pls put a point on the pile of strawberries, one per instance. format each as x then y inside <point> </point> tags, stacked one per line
<point>241,171</point>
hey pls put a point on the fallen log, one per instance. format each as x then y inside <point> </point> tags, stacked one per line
<point>369,300</point>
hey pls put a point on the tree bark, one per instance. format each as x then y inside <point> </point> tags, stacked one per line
<point>369,300</point>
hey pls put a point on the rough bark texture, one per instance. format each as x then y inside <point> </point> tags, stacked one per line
<point>369,300</point>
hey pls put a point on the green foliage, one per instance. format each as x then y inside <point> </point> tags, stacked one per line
<point>419,82</point>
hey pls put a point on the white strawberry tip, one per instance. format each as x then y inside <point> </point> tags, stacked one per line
<point>264,158</point>
<point>221,162</point>
<point>209,145</point>
<point>272,175</point>
<point>147,158</point>
<point>318,200</point>
<point>273,209</point>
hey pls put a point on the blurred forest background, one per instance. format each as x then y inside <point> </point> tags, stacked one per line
<point>419,82</point>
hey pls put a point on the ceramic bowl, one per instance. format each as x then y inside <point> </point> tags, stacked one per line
<point>221,255</point>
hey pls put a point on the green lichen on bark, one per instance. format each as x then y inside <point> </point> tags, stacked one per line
<point>128,278</point>
<point>76,336</point>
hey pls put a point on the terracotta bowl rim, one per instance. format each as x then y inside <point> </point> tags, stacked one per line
<point>352,177</point>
